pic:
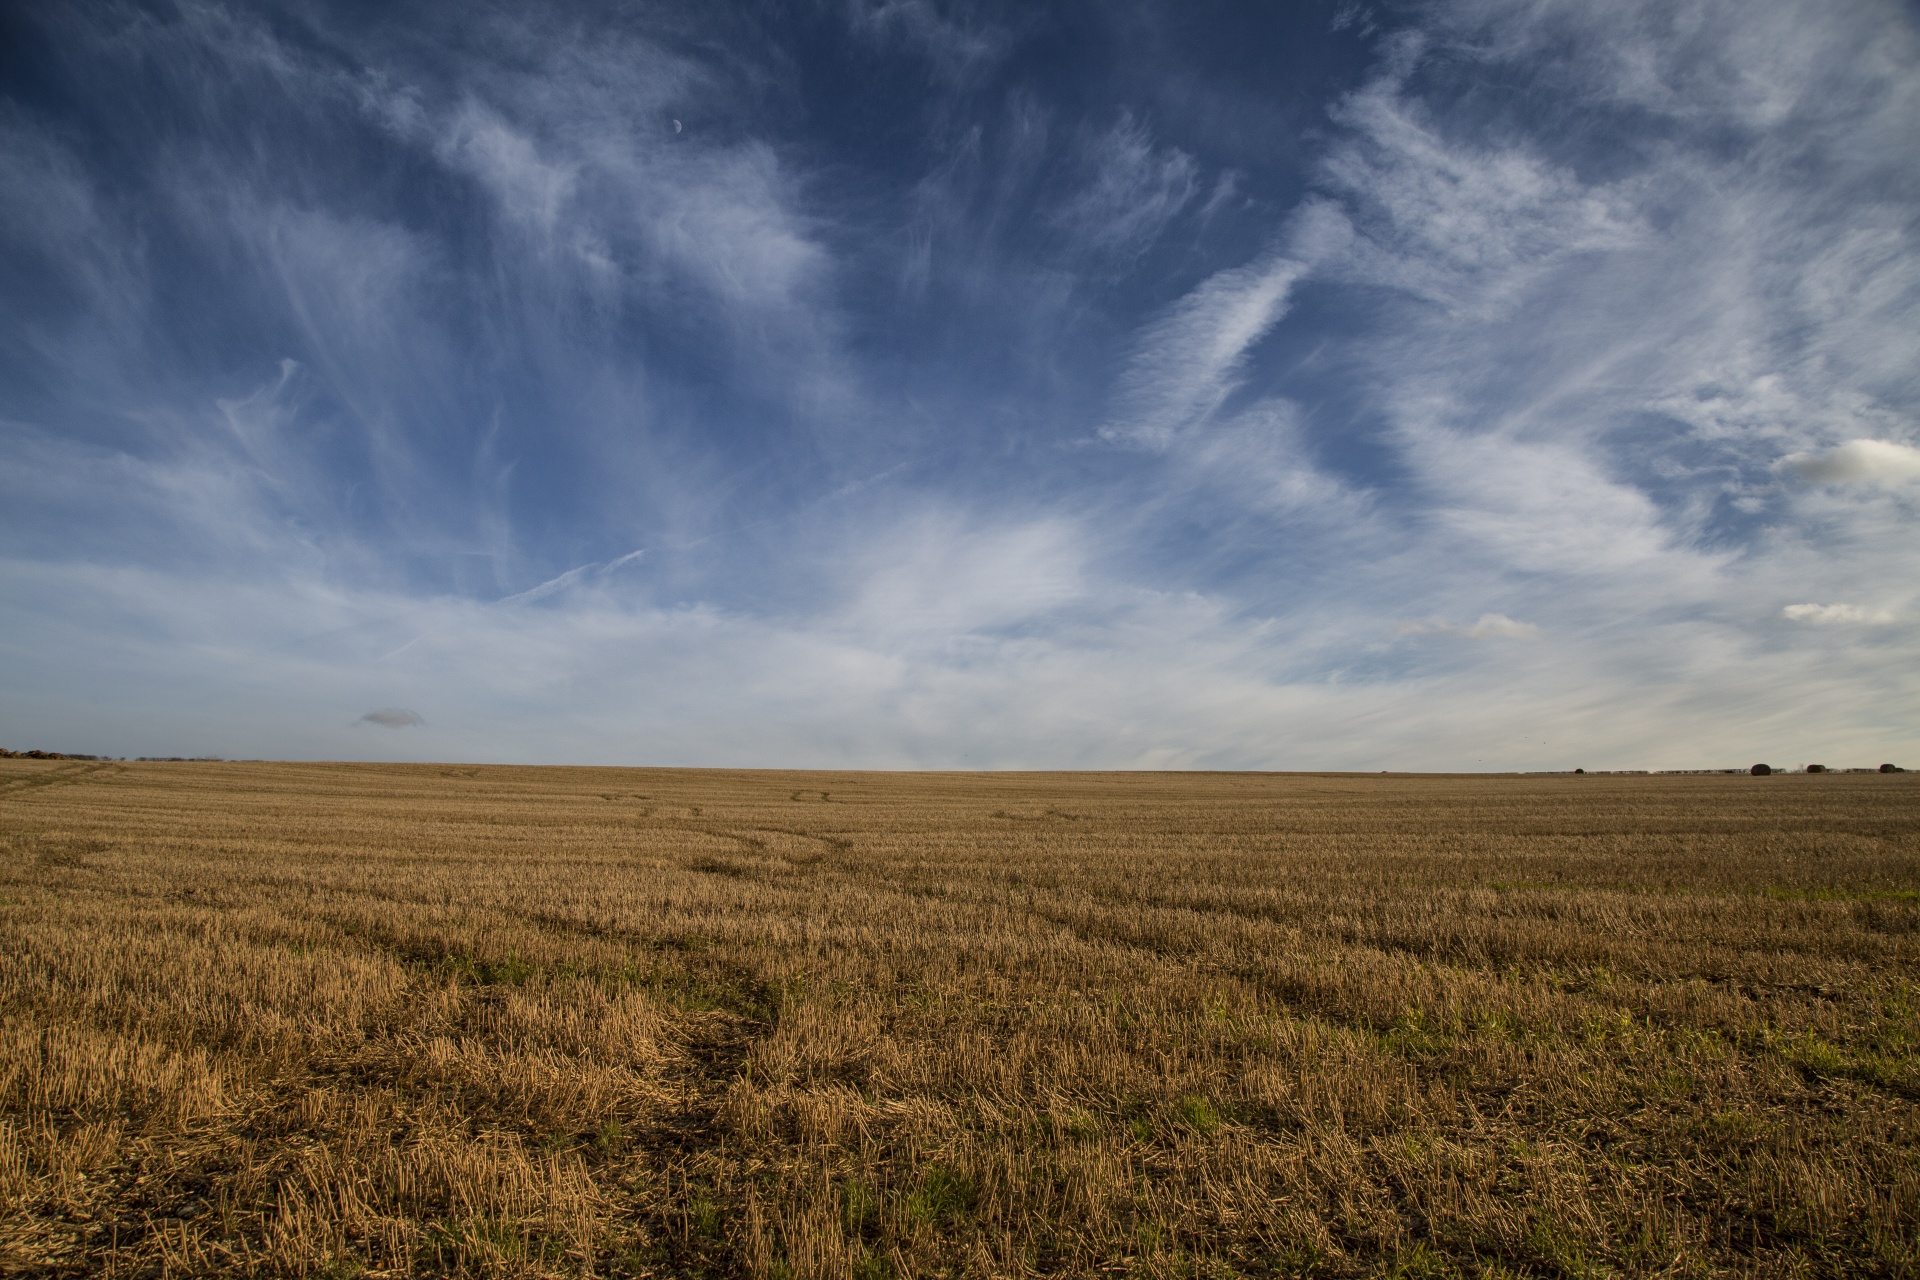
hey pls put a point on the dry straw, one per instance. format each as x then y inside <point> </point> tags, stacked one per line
<point>333,1020</point>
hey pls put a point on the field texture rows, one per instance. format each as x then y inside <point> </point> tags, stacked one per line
<point>388,1020</point>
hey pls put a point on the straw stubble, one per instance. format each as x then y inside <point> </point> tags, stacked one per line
<point>333,1019</point>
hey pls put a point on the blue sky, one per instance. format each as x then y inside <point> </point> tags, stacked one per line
<point>1490,384</point>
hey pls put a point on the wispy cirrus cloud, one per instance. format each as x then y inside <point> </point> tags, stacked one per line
<point>1472,227</point>
<point>958,45</point>
<point>1582,375</point>
<point>1137,188</point>
<point>964,428</point>
<point>1187,362</point>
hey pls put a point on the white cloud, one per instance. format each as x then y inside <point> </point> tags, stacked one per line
<point>1491,626</point>
<point>1571,400</point>
<point>1827,615</point>
<point>1712,63</point>
<point>1580,365</point>
<point>1532,504</point>
<point>1259,457</point>
<point>1857,461</point>
<point>578,152</point>
<point>1126,678</point>
<point>956,49</point>
<point>940,575</point>
<point>1488,626</point>
<point>1185,364</point>
<point>1465,225</point>
<point>530,188</point>
<point>1136,190</point>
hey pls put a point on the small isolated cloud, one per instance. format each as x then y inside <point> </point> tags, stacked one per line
<point>1488,626</point>
<point>1829,615</point>
<point>393,718</point>
<point>1854,462</point>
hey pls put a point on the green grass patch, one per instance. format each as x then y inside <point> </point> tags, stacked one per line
<point>1197,1114</point>
<point>945,1196</point>
<point>859,1206</point>
<point>485,1244</point>
<point>1419,1262</point>
<point>703,1214</point>
<point>510,971</point>
<point>1414,1034</point>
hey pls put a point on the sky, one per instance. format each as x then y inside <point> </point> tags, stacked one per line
<point>1468,385</point>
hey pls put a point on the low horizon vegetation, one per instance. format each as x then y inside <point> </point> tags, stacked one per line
<point>331,1020</point>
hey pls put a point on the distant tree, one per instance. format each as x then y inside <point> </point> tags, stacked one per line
<point>1816,768</point>
<point>1761,770</point>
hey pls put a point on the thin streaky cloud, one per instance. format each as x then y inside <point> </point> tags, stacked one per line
<point>1187,362</point>
<point>394,718</point>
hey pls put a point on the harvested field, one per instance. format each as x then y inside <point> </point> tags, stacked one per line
<point>385,1020</point>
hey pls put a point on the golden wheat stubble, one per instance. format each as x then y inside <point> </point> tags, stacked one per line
<point>430,1020</point>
